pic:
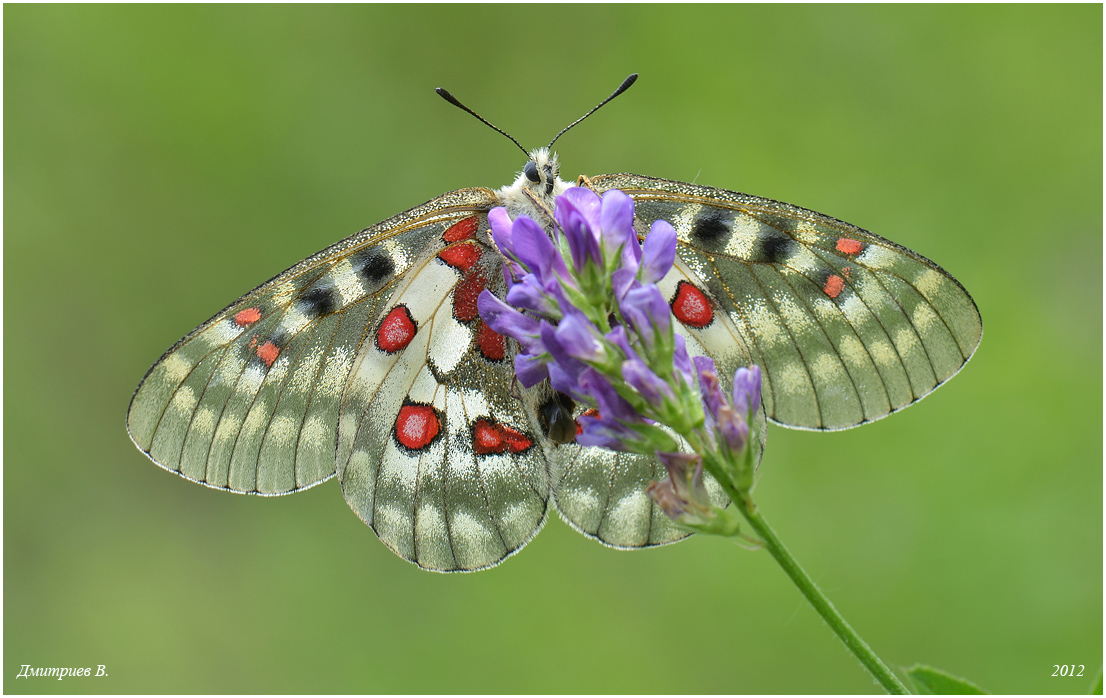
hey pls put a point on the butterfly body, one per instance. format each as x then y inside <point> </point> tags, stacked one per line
<point>369,361</point>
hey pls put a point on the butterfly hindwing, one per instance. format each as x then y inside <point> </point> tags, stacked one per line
<point>249,400</point>
<point>435,453</point>
<point>602,494</point>
<point>846,326</point>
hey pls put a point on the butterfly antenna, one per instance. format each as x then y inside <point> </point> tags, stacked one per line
<point>621,88</point>
<point>444,93</point>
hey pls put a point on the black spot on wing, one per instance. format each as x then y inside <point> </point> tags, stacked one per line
<point>774,247</point>
<point>320,300</point>
<point>374,266</point>
<point>711,231</point>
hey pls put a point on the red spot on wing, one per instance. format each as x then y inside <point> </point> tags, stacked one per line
<point>489,437</point>
<point>833,286</point>
<point>691,306</point>
<point>245,318</point>
<point>461,230</point>
<point>517,442</point>
<point>417,426</point>
<point>849,246</point>
<point>465,295</point>
<point>491,344</point>
<point>462,256</point>
<point>396,331</point>
<point>268,353</point>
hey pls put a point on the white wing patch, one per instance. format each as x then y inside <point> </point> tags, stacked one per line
<point>433,451</point>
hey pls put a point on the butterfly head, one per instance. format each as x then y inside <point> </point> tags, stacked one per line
<point>539,175</point>
<point>535,189</point>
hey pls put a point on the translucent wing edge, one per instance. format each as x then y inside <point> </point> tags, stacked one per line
<point>448,204</point>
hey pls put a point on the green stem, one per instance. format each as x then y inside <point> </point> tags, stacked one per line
<point>817,599</point>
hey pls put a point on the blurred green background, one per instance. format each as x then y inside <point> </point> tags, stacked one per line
<point>160,161</point>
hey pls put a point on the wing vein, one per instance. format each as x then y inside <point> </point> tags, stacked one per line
<point>314,325</point>
<point>817,321</point>
<point>480,483</point>
<point>310,398</point>
<point>199,401</point>
<point>802,358</point>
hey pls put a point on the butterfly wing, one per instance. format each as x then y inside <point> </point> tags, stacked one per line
<point>846,326</point>
<point>435,453</point>
<point>249,400</point>
<point>602,493</point>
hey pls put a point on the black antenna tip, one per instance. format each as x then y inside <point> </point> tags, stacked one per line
<point>444,94</point>
<point>621,88</point>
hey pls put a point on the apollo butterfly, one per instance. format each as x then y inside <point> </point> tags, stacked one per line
<point>369,361</point>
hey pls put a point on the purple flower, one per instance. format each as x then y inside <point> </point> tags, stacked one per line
<point>588,204</point>
<point>577,214</point>
<point>622,280</point>
<point>597,229</point>
<point>682,495</point>
<point>580,338</point>
<point>746,390</point>
<point>730,423</point>
<point>659,254</point>
<point>612,428</point>
<point>528,294</point>
<point>501,225</point>
<point>647,312</point>
<point>617,219</point>
<point>681,362</point>
<point>564,369</point>
<point>709,388</point>
<point>530,369</point>
<point>611,405</point>
<point>617,337</point>
<point>642,379</point>
<point>600,330</point>
<point>537,252</point>
<point>507,321</point>
<point>524,242</point>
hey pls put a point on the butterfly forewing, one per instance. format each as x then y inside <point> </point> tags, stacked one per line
<point>249,400</point>
<point>846,326</point>
<point>434,452</point>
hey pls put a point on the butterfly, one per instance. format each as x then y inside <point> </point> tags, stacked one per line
<point>369,361</point>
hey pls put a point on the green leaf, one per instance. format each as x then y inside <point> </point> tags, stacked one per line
<point>1096,685</point>
<point>930,681</point>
